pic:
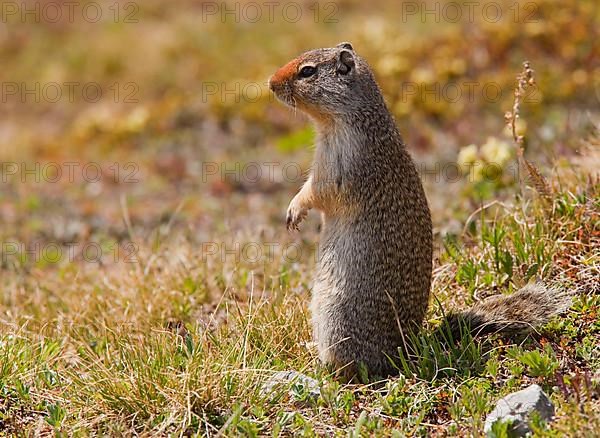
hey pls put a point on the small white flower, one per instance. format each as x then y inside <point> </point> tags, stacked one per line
<point>496,151</point>
<point>467,155</point>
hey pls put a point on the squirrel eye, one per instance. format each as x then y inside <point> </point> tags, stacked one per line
<point>307,71</point>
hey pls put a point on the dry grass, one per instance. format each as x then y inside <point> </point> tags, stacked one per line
<point>155,348</point>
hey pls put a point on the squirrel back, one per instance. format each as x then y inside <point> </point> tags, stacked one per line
<point>372,281</point>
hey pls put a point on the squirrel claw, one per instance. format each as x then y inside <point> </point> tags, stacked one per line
<point>294,217</point>
<point>291,225</point>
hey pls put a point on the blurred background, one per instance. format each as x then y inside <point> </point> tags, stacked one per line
<point>151,121</point>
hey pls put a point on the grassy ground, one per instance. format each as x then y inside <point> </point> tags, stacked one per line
<point>158,297</point>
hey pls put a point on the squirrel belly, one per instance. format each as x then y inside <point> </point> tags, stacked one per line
<point>365,299</point>
<point>373,275</point>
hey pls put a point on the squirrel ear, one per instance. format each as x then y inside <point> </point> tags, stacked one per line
<point>345,62</point>
<point>345,45</point>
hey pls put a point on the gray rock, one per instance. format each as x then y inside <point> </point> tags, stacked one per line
<point>517,407</point>
<point>301,386</point>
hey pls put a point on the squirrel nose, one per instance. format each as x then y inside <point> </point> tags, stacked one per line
<point>276,81</point>
<point>283,74</point>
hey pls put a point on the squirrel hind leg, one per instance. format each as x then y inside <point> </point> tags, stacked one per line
<point>518,313</point>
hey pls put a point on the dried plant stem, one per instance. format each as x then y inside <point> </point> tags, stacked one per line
<point>526,79</point>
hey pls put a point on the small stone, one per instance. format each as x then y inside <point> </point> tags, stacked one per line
<point>517,407</point>
<point>300,383</point>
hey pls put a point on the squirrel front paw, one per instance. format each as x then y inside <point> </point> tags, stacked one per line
<point>295,214</point>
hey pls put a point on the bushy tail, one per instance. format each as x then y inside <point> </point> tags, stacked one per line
<point>514,314</point>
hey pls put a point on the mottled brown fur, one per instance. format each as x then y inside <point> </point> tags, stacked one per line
<point>373,275</point>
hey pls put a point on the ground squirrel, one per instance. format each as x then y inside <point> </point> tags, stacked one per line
<point>375,258</point>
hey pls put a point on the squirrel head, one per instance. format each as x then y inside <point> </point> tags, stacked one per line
<point>326,83</point>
